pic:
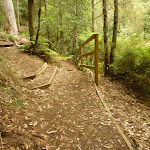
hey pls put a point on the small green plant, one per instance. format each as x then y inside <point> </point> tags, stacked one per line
<point>4,36</point>
<point>8,90</point>
<point>1,59</point>
<point>17,104</point>
<point>7,37</point>
<point>101,67</point>
<point>11,39</point>
<point>24,32</point>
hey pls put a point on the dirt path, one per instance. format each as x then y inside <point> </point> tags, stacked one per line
<point>69,115</point>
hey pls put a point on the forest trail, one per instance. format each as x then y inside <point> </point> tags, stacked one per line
<point>69,115</point>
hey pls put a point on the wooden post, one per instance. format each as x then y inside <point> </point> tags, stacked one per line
<point>96,59</point>
<point>82,58</point>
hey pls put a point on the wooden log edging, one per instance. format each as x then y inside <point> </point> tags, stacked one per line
<point>37,72</point>
<point>6,45</point>
<point>107,109</point>
<point>41,69</point>
<point>42,87</point>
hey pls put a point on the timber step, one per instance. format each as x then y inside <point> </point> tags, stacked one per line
<point>42,79</point>
<point>44,86</point>
<point>4,43</point>
<point>32,76</point>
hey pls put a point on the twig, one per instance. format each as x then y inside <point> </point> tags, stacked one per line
<point>38,135</point>
<point>78,147</point>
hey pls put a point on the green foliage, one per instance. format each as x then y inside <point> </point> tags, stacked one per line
<point>74,20</point>
<point>1,16</point>
<point>24,32</point>
<point>23,11</point>
<point>11,39</point>
<point>101,67</point>
<point>133,60</point>
<point>7,37</point>
<point>40,51</point>
<point>4,36</point>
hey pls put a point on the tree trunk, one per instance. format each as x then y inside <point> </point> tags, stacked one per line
<point>92,15</point>
<point>10,25</point>
<point>74,38</point>
<point>48,33</point>
<point>105,30</point>
<point>39,24</point>
<point>18,20</point>
<point>75,29</point>
<point>114,38</point>
<point>31,8</point>
<point>61,30</point>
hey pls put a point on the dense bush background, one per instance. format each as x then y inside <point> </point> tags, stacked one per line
<point>132,58</point>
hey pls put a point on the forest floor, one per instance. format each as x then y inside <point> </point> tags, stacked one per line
<point>68,115</point>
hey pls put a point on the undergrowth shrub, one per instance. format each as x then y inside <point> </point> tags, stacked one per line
<point>133,60</point>
<point>40,51</point>
<point>7,37</point>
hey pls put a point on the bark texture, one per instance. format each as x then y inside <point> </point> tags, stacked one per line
<point>105,30</point>
<point>92,15</point>
<point>10,25</point>
<point>75,32</point>
<point>18,20</point>
<point>47,27</point>
<point>31,8</point>
<point>39,25</point>
<point>61,26</point>
<point>115,29</point>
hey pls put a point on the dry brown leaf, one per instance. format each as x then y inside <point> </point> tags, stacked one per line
<point>108,146</point>
<point>58,148</point>
<point>50,132</point>
<point>25,126</point>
